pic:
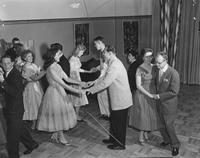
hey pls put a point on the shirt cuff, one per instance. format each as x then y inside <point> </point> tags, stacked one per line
<point>3,84</point>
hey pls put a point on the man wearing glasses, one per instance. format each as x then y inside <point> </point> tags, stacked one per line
<point>168,85</point>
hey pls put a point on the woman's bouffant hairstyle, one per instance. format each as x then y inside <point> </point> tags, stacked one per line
<point>144,51</point>
<point>49,57</point>
<point>79,47</point>
<point>25,53</point>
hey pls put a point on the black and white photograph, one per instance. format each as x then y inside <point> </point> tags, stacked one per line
<point>99,78</point>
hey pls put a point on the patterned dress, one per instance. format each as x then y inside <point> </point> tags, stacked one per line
<point>33,93</point>
<point>56,113</point>
<point>144,115</point>
<point>75,67</point>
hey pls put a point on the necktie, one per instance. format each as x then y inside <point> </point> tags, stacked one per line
<point>160,74</point>
<point>7,74</point>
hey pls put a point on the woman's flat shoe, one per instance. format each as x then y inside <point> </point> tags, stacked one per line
<point>64,142</point>
<point>54,139</point>
<point>146,136</point>
<point>141,141</point>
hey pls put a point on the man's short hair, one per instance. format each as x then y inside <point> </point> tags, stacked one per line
<point>99,38</point>
<point>57,46</point>
<point>15,40</point>
<point>7,56</point>
<point>11,53</point>
<point>163,54</point>
<point>110,48</point>
<point>133,53</point>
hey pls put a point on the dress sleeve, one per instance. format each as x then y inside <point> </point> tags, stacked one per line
<point>138,72</point>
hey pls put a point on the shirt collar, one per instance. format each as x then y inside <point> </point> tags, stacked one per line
<point>8,71</point>
<point>111,59</point>
<point>164,68</point>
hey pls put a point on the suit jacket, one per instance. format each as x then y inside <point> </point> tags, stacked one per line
<point>13,89</point>
<point>64,63</point>
<point>131,74</point>
<point>168,89</point>
<point>116,80</point>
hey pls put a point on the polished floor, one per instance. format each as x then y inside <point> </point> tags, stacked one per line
<point>86,137</point>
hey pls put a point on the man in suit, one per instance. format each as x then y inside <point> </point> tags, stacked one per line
<point>12,86</point>
<point>168,85</point>
<point>134,63</point>
<point>116,80</point>
<point>15,49</point>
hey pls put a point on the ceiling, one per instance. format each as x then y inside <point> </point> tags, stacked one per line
<point>53,9</point>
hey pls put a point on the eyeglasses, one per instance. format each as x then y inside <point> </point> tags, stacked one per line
<point>159,63</point>
<point>148,56</point>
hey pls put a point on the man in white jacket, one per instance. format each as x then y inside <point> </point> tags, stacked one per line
<point>116,80</point>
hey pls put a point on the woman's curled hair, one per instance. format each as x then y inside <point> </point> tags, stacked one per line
<point>49,57</point>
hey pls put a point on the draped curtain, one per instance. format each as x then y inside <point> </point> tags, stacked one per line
<point>178,22</point>
<point>188,57</point>
<point>170,18</point>
<point>156,37</point>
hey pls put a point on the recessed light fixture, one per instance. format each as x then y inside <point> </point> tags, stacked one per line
<point>75,5</point>
<point>3,5</point>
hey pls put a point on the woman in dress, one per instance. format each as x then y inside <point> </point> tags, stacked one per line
<point>144,115</point>
<point>57,113</point>
<point>33,93</point>
<point>75,70</point>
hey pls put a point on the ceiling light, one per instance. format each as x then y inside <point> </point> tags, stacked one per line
<point>3,5</point>
<point>75,5</point>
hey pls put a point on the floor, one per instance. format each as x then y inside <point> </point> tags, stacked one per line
<point>86,137</point>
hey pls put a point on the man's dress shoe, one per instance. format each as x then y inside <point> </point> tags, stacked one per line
<point>28,151</point>
<point>107,141</point>
<point>116,147</point>
<point>164,144</point>
<point>175,151</point>
<point>104,117</point>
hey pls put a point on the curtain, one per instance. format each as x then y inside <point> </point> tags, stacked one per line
<point>156,37</point>
<point>179,35</point>
<point>170,18</point>
<point>188,57</point>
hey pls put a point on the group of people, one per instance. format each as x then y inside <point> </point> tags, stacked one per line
<point>146,95</point>
<point>27,105</point>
